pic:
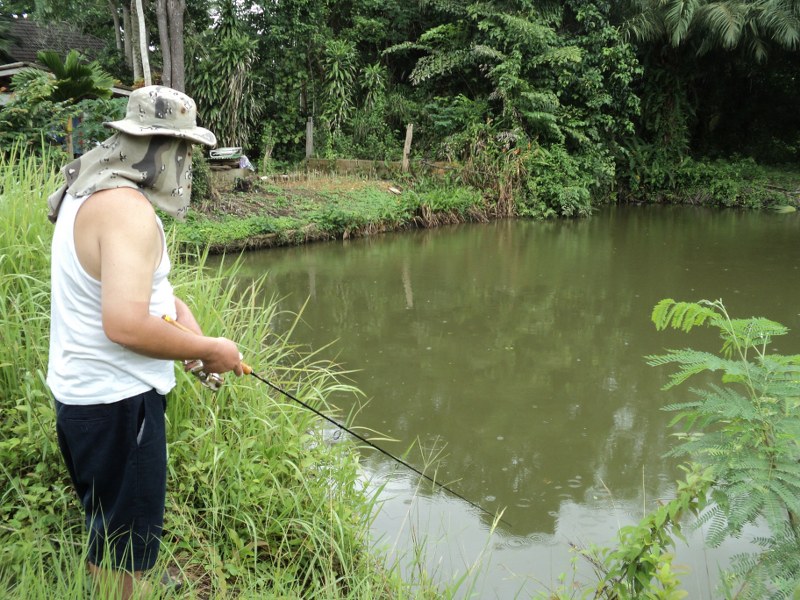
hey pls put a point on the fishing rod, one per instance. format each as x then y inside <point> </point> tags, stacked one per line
<point>248,370</point>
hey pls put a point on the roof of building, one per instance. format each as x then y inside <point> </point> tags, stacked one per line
<point>28,38</point>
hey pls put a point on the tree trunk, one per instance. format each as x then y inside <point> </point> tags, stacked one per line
<point>135,47</point>
<point>163,39</point>
<point>175,11</point>
<point>115,17</point>
<point>143,43</point>
<point>128,39</point>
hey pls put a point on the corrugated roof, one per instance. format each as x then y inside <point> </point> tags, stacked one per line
<point>28,38</point>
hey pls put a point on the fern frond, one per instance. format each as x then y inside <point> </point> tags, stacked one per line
<point>559,56</point>
<point>439,64</point>
<point>751,333</point>
<point>404,47</point>
<point>691,362</point>
<point>483,52</point>
<point>682,315</point>
<point>527,30</point>
<point>542,101</point>
<point>441,33</point>
<point>716,526</point>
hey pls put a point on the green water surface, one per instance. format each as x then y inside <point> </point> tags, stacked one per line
<point>514,352</point>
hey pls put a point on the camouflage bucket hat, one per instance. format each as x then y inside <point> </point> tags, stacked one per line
<point>158,110</point>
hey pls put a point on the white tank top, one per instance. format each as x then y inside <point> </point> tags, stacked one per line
<point>85,367</point>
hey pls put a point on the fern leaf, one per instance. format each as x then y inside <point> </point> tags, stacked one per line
<point>691,362</point>
<point>681,315</point>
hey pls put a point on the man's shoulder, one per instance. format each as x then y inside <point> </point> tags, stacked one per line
<point>119,205</point>
<point>121,198</point>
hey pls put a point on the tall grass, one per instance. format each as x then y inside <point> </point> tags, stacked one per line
<point>259,503</point>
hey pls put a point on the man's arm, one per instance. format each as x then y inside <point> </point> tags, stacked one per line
<point>129,245</point>
<point>185,317</point>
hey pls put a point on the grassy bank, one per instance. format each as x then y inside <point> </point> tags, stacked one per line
<point>257,213</point>
<point>259,504</point>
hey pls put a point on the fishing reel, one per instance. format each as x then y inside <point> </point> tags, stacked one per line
<point>212,381</point>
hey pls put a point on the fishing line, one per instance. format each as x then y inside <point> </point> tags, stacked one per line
<point>248,370</point>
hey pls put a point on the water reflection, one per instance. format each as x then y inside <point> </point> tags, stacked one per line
<point>518,347</point>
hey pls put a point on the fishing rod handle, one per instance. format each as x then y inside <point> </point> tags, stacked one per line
<point>246,369</point>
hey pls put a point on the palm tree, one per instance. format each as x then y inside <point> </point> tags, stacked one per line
<point>68,82</point>
<point>75,79</point>
<point>754,25</point>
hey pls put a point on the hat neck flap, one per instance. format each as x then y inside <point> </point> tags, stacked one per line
<point>158,166</point>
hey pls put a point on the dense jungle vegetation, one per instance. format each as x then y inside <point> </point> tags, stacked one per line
<point>548,107</point>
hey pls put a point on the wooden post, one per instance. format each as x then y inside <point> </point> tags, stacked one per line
<point>407,146</point>
<point>309,137</point>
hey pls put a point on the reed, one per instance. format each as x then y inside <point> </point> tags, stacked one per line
<point>260,503</point>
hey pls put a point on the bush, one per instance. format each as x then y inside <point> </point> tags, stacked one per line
<point>651,175</point>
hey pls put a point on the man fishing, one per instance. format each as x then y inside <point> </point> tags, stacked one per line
<point>111,353</point>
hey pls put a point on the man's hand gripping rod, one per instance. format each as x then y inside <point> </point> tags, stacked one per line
<point>248,370</point>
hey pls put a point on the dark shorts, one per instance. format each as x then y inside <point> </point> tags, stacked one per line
<point>117,457</point>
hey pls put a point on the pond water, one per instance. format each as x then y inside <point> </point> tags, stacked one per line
<point>508,360</point>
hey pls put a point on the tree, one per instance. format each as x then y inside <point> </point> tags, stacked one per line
<point>698,56</point>
<point>143,45</point>
<point>5,37</point>
<point>45,101</point>
<point>170,30</point>
<point>74,79</point>
<point>745,429</point>
<point>754,25</point>
<point>222,81</point>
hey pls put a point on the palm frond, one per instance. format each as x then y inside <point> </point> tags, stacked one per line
<point>724,22</point>
<point>678,18</point>
<point>782,19</point>
<point>644,26</point>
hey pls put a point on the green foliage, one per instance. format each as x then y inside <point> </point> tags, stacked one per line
<point>267,145</point>
<point>754,26</point>
<point>35,125</point>
<point>520,177</point>
<point>340,75</point>
<point>641,564</point>
<point>5,36</point>
<point>746,430</point>
<point>93,113</point>
<point>652,175</point>
<point>565,184</point>
<point>45,105</point>
<point>201,178</point>
<point>461,201</point>
<point>223,83</point>
<point>198,231</point>
<point>372,209</point>
<point>75,79</point>
<point>259,505</point>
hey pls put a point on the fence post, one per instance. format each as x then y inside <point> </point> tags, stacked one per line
<point>407,146</point>
<point>309,137</point>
